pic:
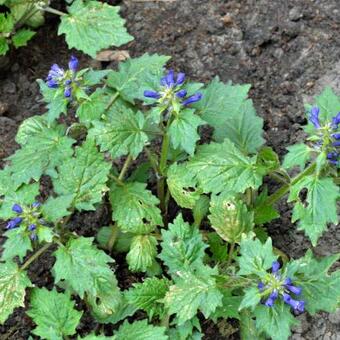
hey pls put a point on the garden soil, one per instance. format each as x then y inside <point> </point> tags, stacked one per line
<point>287,50</point>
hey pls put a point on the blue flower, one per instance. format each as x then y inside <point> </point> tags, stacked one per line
<point>14,223</point>
<point>171,89</point>
<point>314,117</point>
<point>73,64</point>
<point>17,208</point>
<point>275,287</point>
<point>55,76</point>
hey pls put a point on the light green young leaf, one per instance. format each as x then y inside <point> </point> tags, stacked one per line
<point>251,299</point>
<point>182,186</point>
<point>182,246</point>
<point>83,177</point>
<point>91,26</point>
<point>93,108</point>
<point>193,292</point>
<point>18,243</point>
<point>13,283</point>
<point>107,302</point>
<point>94,77</point>
<point>140,330</point>
<point>137,75</point>
<point>142,253</point>
<point>268,158</point>
<point>123,133</point>
<point>320,289</point>
<point>328,103</point>
<point>7,184</point>
<point>148,295</point>
<point>134,208</point>
<point>256,258</point>
<point>83,266</point>
<point>21,37</point>
<point>226,108</point>
<point>319,208</point>
<point>40,155</point>
<point>230,217</point>
<point>276,321</point>
<point>223,167</point>
<point>183,130</point>
<point>298,155</point>
<point>55,208</point>
<point>6,23</point>
<point>53,313</point>
<point>25,195</point>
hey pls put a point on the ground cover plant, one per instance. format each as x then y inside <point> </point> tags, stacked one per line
<point>88,25</point>
<point>209,255</point>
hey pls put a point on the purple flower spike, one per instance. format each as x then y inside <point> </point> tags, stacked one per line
<point>32,227</point>
<point>152,94</point>
<point>192,99</point>
<point>73,64</point>
<point>17,208</point>
<point>181,93</point>
<point>180,78</point>
<point>314,117</point>
<point>271,299</point>
<point>14,223</point>
<point>297,305</point>
<point>275,267</point>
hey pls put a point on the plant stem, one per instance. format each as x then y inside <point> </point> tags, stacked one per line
<point>278,178</point>
<point>125,168</point>
<point>52,10</point>
<point>35,255</point>
<point>153,161</point>
<point>112,100</point>
<point>116,179</point>
<point>113,237</point>
<point>230,253</point>
<point>285,188</point>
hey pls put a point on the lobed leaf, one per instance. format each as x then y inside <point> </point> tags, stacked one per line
<point>53,313</point>
<point>18,243</point>
<point>21,37</point>
<point>298,155</point>
<point>91,26</point>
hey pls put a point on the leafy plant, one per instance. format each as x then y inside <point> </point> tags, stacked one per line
<point>189,216</point>
<point>88,25</point>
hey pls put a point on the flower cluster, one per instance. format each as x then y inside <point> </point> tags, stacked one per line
<point>171,89</point>
<point>58,77</point>
<point>329,132</point>
<point>276,286</point>
<point>29,216</point>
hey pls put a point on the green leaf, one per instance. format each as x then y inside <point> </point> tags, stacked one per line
<point>123,133</point>
<point>182,186</point>
<point>25,195</point>
<point>137,75</point>
<point>93,108</point>
<point>183,130</point>
<point>182,246</point>
<point>7,184</point>
<point>230,217</point>
<point>276,321</point>
<point>217,247</point>
<point>201,209</point>
<point>41,154</point>
<point>193,292</point>
<point>226,108</point>
<point>94,77</point>
<point>55,209</point>
<point>256,258</point>
<point>83,266</point>
<point>53,313</point>
<point>4,47</point>
<point>91,26</point>
<point>320,290</point>
<point>319,208</point>
<point>328,103</point>
<point>298,155</point>
<point>222,167</point>
<point>229,309</point>
<point>13,283</point>
<point>19,10</point>
<point>135,208</point>
<point>140,330</point>
<point>263,212</point>
<point>57,103</point>
<point>148,295</point>
<point>251,299</point>
<point>18,243</point>
<point>83,177</point>
<point>107,301</point>
<point>22,36</point>
<point>6,23</point>
<point>142,253</point>
<point>268,158</point>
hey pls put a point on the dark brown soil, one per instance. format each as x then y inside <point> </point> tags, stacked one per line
<point>287,50</point>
